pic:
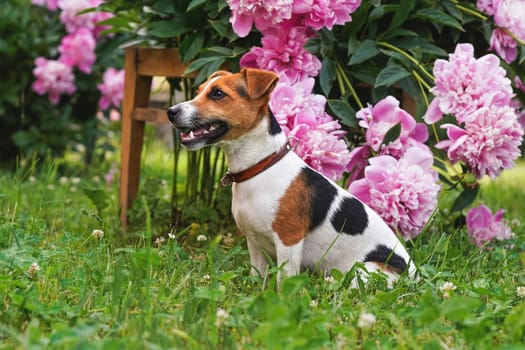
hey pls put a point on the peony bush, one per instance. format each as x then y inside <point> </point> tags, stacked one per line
<point>399,101</point>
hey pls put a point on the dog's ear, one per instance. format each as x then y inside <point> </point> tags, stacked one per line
<point>259,82</point>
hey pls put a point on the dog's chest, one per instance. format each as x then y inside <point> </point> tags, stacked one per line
<point>255,201</point>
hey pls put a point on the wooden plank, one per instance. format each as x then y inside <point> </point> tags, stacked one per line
<point>154,115</point>
<point>162,62</point>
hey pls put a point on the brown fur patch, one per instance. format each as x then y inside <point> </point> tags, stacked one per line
<point>387,268</point>
<point>292,221</point>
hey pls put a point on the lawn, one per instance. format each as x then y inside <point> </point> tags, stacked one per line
<point>65,286</point>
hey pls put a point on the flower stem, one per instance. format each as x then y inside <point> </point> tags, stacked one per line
<point>513,36</point>
<point>409,57</point>
<point>470,11</point>
<point>341,76</point>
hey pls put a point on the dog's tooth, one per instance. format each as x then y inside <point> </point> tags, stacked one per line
<point>191,134</point>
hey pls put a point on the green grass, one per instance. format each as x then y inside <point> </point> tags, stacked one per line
<point>123,291</point>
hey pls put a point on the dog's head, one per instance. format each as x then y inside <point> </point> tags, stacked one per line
<point>227,106</point>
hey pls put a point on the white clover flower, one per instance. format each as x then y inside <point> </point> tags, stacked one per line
<point>329,279</point>
<point>206,277</point>
<point>171,236</point>
<point>96,178</point>
<point>520,291</point>
<point>446,288</point>
<point>229,240</point>
<point>33,269</point>
<point>75,180</point>
<point>366,320</point>
<point>97,233</point>
<point>202,238</point>
<point>158,241</point>
<point>222,316</point>
<point>313,303</point>
<point>63,180</point>
<point>32,179</point>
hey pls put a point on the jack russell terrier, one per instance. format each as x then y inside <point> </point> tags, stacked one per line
<point>286,210</point>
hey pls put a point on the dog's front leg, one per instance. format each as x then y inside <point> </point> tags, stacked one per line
<point>257,259</point>
<point>289,258</point>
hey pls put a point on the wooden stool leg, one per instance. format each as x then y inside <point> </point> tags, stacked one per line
<point>136,94</point>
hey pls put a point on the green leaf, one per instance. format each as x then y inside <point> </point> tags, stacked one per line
<point>344,112</point>
<point>465,199</point>
<point>191,46</point>
<point>199,63</point>
<point>401,15</point>
<point>419,44</point>
<point>460,308</point>
<point>99,197</point>
<point>222,28</point>
<point>391,74</point>
<point>379,11</point>
<point>194,4</point>
<point>366,50</point>
<point>169,28</point>
<point>515,322</point>
<point>392,134</point>
<point>437,16</point>
<point>164,6</point>
<point>220,50</point>
<point>292,285</point>
<point>328,75</point>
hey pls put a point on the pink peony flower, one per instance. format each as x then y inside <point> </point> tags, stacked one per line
<point>504,45</point>
<point>403,192</point>
<point>464,84</point>
<point>519,84</point>
<point>283,52</point>
<point>296,108</point>
<point>488,143</point>
<point>327,13</point>
<point>54,78</point>
<point>509,14</point>
<point>379,119</point>
<point>358,162</point>
<point>78,49</point>
<point>263,14</point>
<point>315,135</point>
<point>111,89</point>
<point>71,17</point>
<point>488,6</point>
<point>324,152</point>
<point>484,227</point>
<point>51,5</point>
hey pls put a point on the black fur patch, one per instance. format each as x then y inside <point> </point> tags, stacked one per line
<point>350,217</point>
<point>275,128</point>
<point>241,91</point>
<point>323,194</point>
<point>383,254</point>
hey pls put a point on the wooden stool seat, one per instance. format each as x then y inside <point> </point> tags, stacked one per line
<point>140,66</point>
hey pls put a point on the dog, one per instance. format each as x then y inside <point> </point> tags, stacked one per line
<point>287,211</point>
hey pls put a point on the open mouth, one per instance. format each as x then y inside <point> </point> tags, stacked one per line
<point>208,131</point>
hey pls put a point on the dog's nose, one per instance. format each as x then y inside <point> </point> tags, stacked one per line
<point>173,112</point>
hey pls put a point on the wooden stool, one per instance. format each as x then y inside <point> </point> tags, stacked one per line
<point>141,65</point>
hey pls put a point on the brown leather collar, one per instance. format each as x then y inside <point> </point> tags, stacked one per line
<point>258,168</point>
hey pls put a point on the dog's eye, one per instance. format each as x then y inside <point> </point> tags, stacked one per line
<point>217,94</point>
